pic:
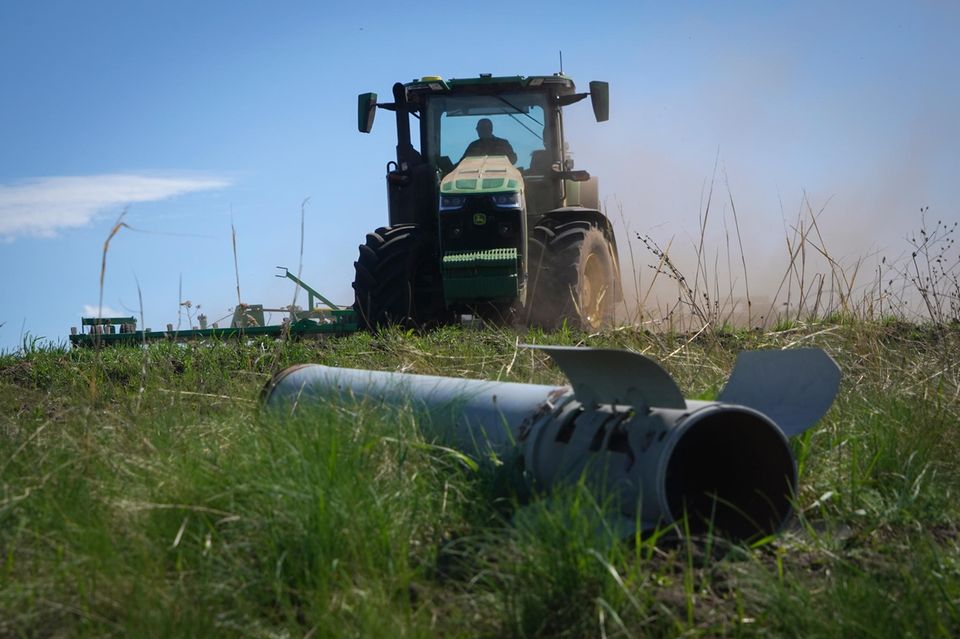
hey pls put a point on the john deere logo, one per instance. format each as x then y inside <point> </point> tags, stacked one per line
<point>479,219</point>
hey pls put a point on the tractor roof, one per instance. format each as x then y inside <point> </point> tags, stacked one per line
<point>487,84</point>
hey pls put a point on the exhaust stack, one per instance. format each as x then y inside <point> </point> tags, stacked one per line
<point>623,425</point>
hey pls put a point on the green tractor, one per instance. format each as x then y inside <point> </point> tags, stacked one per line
<point>488,216</point>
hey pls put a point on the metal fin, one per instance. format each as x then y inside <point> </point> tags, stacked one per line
<point>794,387</point>
<point>607,376</point>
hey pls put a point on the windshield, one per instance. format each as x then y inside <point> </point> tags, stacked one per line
<point>454,122</point>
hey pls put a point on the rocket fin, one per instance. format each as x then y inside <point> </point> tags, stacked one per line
<point>793,387</point>
<point>607,376</point>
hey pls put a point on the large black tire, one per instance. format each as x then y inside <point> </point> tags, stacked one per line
<point>540,307</point>
<point>398,280</point>
<point>577,281</point>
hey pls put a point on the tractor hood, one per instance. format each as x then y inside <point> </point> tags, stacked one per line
<point>482,174</point>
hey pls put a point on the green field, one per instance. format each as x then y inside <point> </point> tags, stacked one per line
<point>144,493</point>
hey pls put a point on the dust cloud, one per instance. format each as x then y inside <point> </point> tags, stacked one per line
<point>706,240</point>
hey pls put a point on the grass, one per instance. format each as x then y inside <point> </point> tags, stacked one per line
<point>143,493</point>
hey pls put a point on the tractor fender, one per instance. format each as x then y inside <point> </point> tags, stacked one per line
<point>575,213</point>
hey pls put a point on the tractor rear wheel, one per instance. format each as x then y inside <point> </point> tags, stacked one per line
<point>581,278</point>
<point>398,280</point>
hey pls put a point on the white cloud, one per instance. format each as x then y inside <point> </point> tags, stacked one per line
<point>92,310</point>
<point>41,207</point>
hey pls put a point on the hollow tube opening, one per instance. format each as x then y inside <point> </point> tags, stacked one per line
<point>731,472</point>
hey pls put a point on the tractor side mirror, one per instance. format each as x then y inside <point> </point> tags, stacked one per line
<point>366,111</point>
<point>600,97</point>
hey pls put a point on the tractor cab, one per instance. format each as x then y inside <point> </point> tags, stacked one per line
<point>526,112</point>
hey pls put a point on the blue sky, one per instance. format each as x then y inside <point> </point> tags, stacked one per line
<point>192,115</point>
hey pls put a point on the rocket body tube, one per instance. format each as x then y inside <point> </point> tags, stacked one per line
<point>724,467</point>
<point>477,417</point>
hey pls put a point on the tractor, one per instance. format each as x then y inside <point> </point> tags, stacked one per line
<point>504,229</point>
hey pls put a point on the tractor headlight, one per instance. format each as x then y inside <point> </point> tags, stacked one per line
<point>452,202</point>
<point>506,200</point>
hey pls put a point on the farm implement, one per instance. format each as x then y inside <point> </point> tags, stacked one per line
<point>248,321</point>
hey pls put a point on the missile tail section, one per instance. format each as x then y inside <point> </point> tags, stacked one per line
<point>622,427</point>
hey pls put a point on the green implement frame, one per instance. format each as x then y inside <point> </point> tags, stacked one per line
<point>339,322</point>
<point>311,293</point>
<point>314,321</point>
